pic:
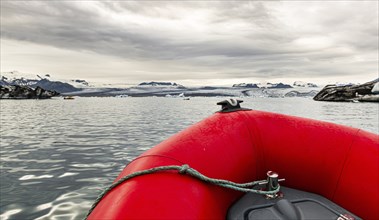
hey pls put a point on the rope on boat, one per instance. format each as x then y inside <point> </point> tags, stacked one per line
<point>185,169</point>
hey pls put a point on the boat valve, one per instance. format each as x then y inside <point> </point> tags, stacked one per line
<point>231,105</point>
<point>272,183</point>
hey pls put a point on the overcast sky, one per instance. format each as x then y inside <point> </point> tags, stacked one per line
<point>192,43</point>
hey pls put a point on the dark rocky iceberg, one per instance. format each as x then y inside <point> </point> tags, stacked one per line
<point>25,92</point>
<point>364,92</point>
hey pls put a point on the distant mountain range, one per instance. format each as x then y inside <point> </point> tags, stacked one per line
<point>165,84</point>
<point>15,78</point>
<point>83,88</point>
<point>266,86</point>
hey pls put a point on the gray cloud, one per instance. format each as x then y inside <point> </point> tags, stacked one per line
<point>221,39</point>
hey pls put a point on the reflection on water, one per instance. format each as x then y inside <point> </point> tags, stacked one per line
<point>57,156</point>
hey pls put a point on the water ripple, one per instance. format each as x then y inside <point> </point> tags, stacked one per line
<point>57,156</point>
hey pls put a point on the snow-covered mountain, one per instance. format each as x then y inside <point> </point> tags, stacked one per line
<point>33,81</point>
<point>17,78</point>
<point>245,85</point>
<point>79,83</point>
<point>267,85</point>
<point>280,85</point>
<point>82,87</point>
<point>304,84</point>
<point>161,85</point>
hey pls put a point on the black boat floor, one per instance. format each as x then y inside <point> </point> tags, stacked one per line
<point>294,204</point>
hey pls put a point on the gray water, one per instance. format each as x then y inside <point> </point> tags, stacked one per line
<point>58,155</point>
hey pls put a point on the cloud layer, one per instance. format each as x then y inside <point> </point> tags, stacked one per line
<point>197,40</point>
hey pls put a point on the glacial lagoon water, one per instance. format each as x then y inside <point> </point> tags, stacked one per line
<point>58,155</point>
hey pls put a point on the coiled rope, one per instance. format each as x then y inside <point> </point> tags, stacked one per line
<point>185,169</point>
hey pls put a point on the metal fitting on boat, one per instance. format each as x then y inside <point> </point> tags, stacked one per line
<point>272,183</point>
<point>272,180</point>
<point>231,105</point>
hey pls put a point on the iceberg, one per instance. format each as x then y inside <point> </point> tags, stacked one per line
<point>375,89</point>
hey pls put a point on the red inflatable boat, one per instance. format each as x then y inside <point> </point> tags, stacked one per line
<point>331,171</point>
